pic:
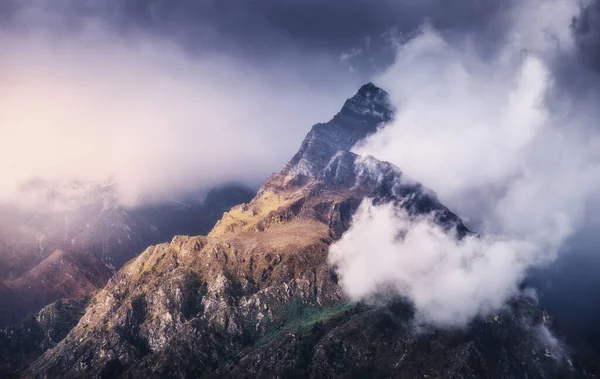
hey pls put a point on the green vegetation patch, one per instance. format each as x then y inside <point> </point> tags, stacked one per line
<point>297,317</point>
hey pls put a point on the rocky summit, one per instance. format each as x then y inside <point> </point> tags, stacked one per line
<point>256,297</point>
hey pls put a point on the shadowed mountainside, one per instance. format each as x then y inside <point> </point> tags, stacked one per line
<point>24,342</point>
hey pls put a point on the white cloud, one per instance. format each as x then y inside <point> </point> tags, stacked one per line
<point>483,133</point>
<point>449,281</point>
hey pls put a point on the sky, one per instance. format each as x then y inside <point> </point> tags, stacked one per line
<point>496,113</point>
<point>202,92</point>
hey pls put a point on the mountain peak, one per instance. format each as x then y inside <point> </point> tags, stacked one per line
<point>369,89</point>
<point>361,116</point>
<point>370,104</point>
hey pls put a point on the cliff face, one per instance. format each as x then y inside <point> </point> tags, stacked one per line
<point>257,298</point>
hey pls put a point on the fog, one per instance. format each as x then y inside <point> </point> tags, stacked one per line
<point>143,113</point>
<point>449,281</point>
<point>162,98</point>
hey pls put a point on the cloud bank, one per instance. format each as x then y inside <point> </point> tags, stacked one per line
<point>91,104</point>
<point>503,141</point>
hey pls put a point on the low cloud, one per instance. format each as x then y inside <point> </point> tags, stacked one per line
<point>161,98</point>
<point>450,281</point>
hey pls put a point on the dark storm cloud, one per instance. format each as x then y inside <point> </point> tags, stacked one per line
<point>358,31</point>
<point>586,29</point>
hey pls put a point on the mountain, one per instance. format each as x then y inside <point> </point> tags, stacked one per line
<point>73,235</point>
<point>256,296</point>
<point>62,275</point>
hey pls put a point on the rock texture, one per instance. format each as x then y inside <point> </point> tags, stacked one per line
<point>71,247</point>
<point>362,343</point>
<point>257,298</point>
<point>26,341</point>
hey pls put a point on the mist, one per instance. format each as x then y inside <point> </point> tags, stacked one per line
<point>504,140</point>
<point>141,112</point>
<point>449,281</point>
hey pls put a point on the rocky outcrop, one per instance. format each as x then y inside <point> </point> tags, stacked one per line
<point>257,298</point>
<point>82,216</point>
<point>360,116</point>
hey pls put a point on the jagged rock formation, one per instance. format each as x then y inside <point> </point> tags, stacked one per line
<point>70,247</point>
<point>257,298</point>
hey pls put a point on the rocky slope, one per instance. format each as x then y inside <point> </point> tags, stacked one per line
<point>69,246</point>
<point>364,342</point>
<point>257,298</point>
<point>26,341</point>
